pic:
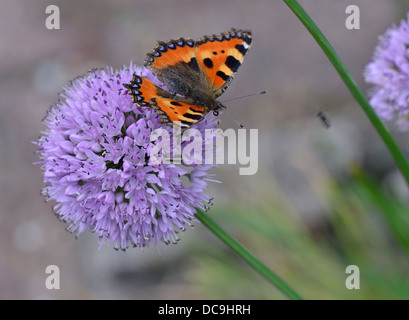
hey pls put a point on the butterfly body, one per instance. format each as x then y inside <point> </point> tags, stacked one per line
<point>195,74</point>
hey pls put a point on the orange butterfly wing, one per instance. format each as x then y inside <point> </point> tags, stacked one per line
<point>210,62</point>
<point>142,90</point>
<point>146,94</point>
<point>221,56</point>
<point>172,111</point>
<point>170,53</point>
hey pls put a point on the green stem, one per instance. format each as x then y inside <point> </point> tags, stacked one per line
<point>359,96</point>
<point>247,256</point>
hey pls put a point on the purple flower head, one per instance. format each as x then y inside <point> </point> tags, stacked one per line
<point>96,164</point>
<point>388,73</point>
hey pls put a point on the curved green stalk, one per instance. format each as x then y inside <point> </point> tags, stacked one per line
<point>247,256</point>
<point>359,96</point>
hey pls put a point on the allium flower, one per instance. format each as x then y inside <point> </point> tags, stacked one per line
<point>389,75</point>
<point>96,164</point>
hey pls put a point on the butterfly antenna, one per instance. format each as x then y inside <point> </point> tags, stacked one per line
<point>237,98</point>
<point>245,96</point>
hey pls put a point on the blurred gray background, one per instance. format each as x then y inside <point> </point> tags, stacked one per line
<point>295,150</point>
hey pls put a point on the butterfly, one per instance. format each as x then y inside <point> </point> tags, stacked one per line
<point>196,73</point>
